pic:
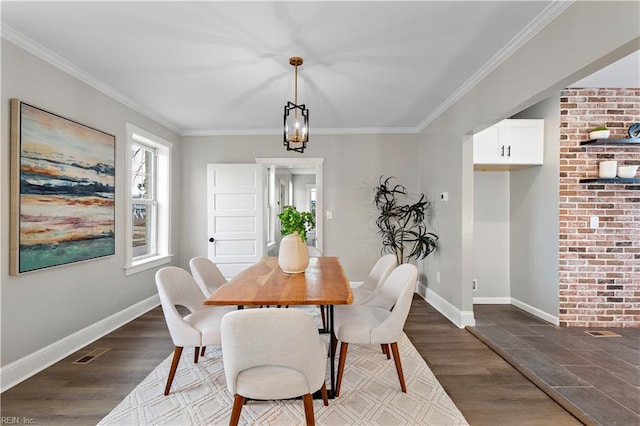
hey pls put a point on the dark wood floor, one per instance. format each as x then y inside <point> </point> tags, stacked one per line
<point>595,378</point>
<point>486,389</point>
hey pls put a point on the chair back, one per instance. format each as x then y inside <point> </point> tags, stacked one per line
<point>176,287</point>
<point>207,275</point>
<point>314,252</point>
<point>380,272</point>
<point>272,337</point>
<point>389,292</point>
<point>398,287</point>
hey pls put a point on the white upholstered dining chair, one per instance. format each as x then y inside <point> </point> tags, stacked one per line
<point>198,329</point>
<point>379,273</point>
<point>271,353</point>
<point>372,324</point>
<point>206,274</point>
<point>314,251</point>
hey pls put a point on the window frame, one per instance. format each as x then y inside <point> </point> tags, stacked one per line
<point>162,196</point>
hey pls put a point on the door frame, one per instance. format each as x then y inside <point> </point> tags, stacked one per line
<point>316,163</point>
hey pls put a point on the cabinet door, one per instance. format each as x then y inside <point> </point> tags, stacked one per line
<point>486,146</point>
<point>523,141</point>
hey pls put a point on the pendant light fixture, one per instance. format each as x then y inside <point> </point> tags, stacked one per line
<point>296,118</point>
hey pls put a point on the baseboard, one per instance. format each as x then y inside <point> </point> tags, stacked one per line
<point>460,318</point>
<point>25,367</point>
<point>491,300</point>
<point>535,311</point>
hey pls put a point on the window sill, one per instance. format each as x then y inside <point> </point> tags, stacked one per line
<point>148,263</point>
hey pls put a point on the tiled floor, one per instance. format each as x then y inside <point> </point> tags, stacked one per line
<point>597,379</point>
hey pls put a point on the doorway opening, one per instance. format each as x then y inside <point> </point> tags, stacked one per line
<point>297,182</point>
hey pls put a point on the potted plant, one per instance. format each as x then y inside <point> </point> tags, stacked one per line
<point>401,226</point>
<point>293,256</point>
<point>600,132</point>
<point>294,221</point>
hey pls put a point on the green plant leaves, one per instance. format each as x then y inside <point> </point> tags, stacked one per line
<point>294,221</point>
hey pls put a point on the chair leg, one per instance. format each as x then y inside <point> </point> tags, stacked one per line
<point>341,360</point>
<point>396,358</point>
<point>308,409</point>
<point>196,353</point>
<point>325,396</point>
<point>238,402</point>
<point>174,366</point>
<point>202,351</point>
<point>385,350</point>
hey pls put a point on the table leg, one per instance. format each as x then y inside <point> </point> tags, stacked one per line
<point>332,353</point>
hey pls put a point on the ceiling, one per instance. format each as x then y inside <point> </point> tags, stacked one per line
<point>223,67</point>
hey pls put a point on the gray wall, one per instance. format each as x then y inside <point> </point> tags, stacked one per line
<point>42,307</point>
<point>491,225</point>
<point>515,245</point>
<point>534,218</point>
<point>563,52</point>
<point>352,165</point>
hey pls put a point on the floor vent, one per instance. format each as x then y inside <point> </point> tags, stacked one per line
<point>604,333</point>
<point>86,359</point>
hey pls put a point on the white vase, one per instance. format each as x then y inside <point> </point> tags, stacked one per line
<point>293,256</point>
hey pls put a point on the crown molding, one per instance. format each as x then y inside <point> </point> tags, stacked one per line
<point>59,62</point>
<point>547,15</point>
<point>314,131</point>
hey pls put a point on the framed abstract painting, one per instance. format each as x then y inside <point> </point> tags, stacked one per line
<point>62,190</point>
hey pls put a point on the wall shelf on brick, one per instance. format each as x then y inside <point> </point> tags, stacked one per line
<point>611,180</point>
<point>611,142</point>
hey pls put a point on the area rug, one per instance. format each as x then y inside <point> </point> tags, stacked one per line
<point>370,395</point>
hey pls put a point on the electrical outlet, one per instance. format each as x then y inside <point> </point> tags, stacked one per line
<point>475,284</point>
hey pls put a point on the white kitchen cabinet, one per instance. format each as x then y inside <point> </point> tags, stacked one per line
<point>511,143</point>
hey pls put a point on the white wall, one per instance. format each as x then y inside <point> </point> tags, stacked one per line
<point>491,225</point>
<point>352,166</point>
<point>534,218</point>
<point>300,183</point>
<point>42,307</point>
<point>564,51</point>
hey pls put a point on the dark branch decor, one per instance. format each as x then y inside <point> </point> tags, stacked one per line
<point>401,226</point>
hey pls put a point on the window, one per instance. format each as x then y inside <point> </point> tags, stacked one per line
<point>148,200</point>
<point>143,200</point>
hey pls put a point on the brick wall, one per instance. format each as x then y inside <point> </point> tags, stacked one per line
<point>599,268</point>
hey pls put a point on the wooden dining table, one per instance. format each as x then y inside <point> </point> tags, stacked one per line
<point>322,283</point>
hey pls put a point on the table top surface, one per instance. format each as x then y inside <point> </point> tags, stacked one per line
<point>264,283</point>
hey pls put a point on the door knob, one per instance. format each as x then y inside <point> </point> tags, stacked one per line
<point>211,239</point>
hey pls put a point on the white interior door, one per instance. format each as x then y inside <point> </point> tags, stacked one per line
<point>235,216</point>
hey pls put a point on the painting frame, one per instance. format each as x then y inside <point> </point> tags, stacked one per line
<point>62,190</point>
